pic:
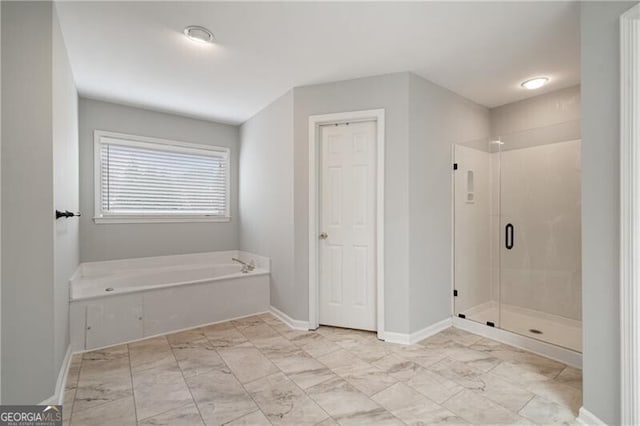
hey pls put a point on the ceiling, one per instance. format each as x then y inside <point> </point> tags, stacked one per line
<point>135,53</point>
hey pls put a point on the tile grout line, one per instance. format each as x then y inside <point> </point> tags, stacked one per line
<point>495,366</point>
<point>293,381</point>
<point>95,406</point>
<point>525,404</point>
<point>153,367</point>
<point>105,402</point>
<point>351,384</point>
<point>462,387</point>
<point>75,396</point>
<point>133,392</point>
<point>289,378</point>
<point>338,347</point>
<point>517,412</point>
<point>193,400</point>
<point>533,394</point>
<point>75,392</point>
<point>238,380</point>
<point>560,372</point>
<point>455,394</point>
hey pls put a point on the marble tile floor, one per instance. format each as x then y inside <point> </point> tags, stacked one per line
<point>257,371</point>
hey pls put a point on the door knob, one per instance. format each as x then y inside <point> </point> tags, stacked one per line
<point>324,236</point>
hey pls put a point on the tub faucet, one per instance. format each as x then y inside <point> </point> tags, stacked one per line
<point>246,267</point>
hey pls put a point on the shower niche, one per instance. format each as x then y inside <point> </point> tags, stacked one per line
<point>517,234</point>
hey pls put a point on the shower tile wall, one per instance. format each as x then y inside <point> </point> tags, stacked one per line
<point>540,195</point>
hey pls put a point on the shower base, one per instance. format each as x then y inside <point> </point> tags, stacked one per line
<point>552,329</point>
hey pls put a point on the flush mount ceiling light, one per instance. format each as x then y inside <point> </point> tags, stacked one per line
<point>198,34</point>
<point>535,83</point>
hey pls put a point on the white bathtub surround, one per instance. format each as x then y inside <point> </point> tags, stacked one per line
<point>123,300</point>
<point>131,275</point>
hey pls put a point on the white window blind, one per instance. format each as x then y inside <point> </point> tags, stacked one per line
<point>143,179</point>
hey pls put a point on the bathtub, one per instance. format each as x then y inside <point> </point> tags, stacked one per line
<point>124,300</point>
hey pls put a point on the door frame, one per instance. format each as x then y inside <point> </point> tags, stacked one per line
<point>629,211</point>
<point>315,121</point>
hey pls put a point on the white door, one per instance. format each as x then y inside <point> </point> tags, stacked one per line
<point>347,257</point>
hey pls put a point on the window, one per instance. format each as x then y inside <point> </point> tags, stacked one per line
<point>142,179</point>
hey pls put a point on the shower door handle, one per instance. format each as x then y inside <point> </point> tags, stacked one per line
<point>508,236</point>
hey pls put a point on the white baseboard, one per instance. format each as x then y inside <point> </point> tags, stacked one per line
<point>294,324</point>
<point>399,338</point>
<point>430,330</point>
<point>52,400</point>
<point>557,353</point>
<point>61,382</point>
<point>587,418</point>
<point>410,339</point>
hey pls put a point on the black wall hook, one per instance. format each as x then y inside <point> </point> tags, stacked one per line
<point>65,213</point>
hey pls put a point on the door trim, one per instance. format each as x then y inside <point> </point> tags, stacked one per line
<point>315,121</point>
<point>629,210</point>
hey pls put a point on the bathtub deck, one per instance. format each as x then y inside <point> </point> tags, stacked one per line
<point>258,371</point>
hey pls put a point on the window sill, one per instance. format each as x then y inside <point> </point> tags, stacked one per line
<point>160,219</point>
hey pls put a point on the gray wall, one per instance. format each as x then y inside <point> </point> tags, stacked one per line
<point>437,119</point>
<point>600,207</point>
<point>266,195</point>
<point>27,203</point>
<point>391,93</point>
<point>121,241</point>
<point>422,120</point>
<point>33,316</point>
<point>65,187</point>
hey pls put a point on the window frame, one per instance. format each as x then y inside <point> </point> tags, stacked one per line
<point>101,217</point>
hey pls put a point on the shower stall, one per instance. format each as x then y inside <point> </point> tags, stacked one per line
<point>517,237</point>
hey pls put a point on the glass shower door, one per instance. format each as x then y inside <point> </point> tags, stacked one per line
<point>476,257</point>
<point>540,250</point>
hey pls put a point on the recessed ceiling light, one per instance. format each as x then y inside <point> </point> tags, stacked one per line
<point>535,83</point>
<point>198,34</point>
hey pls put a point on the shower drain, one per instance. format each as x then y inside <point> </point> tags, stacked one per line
<point>535,331</point>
